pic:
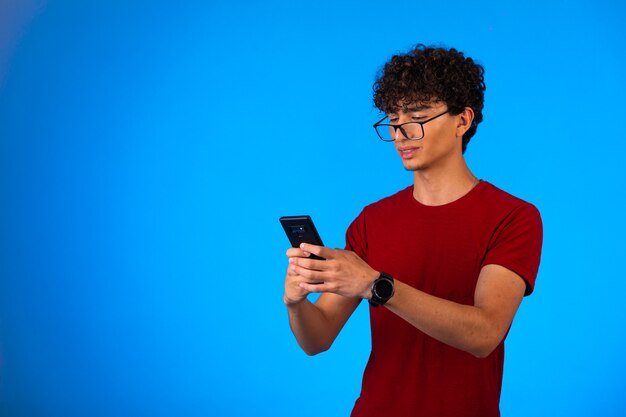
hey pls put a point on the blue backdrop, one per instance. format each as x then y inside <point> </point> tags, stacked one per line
<point>147,149</point>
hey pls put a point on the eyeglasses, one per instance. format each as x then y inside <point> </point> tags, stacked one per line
<point>410,130</point>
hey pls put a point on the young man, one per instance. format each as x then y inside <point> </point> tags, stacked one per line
<point>444,263</point>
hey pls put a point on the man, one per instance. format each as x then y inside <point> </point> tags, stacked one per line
<point>444,263</point>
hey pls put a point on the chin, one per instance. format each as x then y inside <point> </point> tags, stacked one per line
<point>413,166</point>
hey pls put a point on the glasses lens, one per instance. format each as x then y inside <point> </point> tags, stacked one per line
<point>411,131</point>
<point>384,133</point>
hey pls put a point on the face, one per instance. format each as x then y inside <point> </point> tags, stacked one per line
<point>440,142</point>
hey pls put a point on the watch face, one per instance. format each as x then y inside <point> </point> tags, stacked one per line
<point>384,289</point>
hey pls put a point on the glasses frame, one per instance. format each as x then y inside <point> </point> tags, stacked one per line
<point>400,126</point>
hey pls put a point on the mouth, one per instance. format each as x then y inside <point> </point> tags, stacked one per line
<point>407,153</point>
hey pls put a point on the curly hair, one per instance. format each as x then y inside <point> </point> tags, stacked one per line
<point>429,74</point>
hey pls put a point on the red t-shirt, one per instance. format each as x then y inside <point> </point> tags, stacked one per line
<point>439,250</point>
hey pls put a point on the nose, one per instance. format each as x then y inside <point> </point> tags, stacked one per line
<point>397,133</point>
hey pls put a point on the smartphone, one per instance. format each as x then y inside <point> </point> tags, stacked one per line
<point>300,229</point>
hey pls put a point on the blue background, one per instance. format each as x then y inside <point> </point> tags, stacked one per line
<point>147,150</point>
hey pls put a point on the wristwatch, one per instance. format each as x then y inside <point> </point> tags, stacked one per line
<point>382,290</point>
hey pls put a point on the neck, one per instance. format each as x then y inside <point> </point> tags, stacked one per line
<point>433,187</point>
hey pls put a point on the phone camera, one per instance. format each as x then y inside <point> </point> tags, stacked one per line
<point>298,231</point>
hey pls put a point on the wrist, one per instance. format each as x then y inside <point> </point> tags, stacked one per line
<point>289,303</point>
<point>367,292</point>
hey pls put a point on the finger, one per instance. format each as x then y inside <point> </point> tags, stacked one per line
<point>297,253</point>
<point>314,287</point>
<point>309,263</point>
<point>320,251</point>
<point>309,275</point>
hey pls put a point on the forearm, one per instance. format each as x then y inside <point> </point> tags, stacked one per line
<point>310,327</point>
<point>465,327</point>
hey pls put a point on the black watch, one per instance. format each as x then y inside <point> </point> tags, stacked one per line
<point>382,290</point>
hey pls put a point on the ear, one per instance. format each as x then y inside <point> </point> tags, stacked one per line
<point>466,117</point>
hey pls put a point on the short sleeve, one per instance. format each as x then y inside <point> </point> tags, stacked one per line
<point>356,239</point>
<point>516,244</point>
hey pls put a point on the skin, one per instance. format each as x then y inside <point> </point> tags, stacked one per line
<point>440,176</point>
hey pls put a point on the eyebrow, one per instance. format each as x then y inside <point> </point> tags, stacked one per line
<point>415,108</point>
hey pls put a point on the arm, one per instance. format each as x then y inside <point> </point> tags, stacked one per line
<point>315,326</point>
<point>476,329</point>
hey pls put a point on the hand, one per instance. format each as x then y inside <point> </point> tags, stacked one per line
<point>293,292</point>
<point>343,272</point>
